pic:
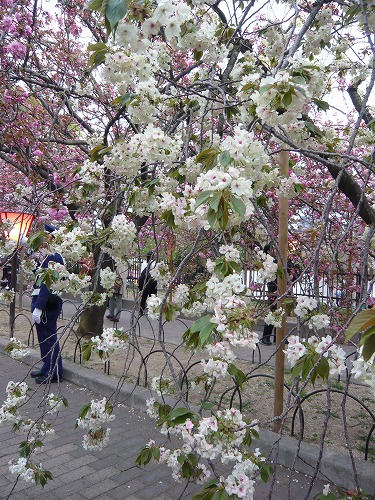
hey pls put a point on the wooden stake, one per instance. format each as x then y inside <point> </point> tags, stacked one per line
<point>281,285</point>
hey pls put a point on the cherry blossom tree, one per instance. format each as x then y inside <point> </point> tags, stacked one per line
<point>178,124</point>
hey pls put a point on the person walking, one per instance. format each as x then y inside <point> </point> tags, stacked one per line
<point>46,308</point>
<point>146,284</point>
<point>115,301</point>
<point>271,293</point>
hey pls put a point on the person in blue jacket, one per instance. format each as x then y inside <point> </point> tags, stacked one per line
<point>46,308</point>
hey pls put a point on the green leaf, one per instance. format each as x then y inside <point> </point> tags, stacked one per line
<point>287,99</point>
<point>124,99</point>
<point>115,11</point>
<point>169,310</point>
<point>215,201</point>
<point>202,198</point>
<point>238,205</point>
<point>225,158</point>
<point>200,323</point>
<point>95,5</point>
<point>86,351</point>
<point>144,457</point>
<point>321,104</point>
<point>313,129</point>
<point>179,415</point>
<point>168,216</point>
<point>212,217</point>
<point>187,470</point>
<point>83,411</point>
<point>361,322</point>
<point>369,347</point>
<point>94,47</point>
<point>198,54</point>
<point>238,374</point>
<point>207,157</point>
<point>205,333</point>
<point>36,240</point>
<point>323,368</point>
<point>97,58</point>
<point>264,89</point>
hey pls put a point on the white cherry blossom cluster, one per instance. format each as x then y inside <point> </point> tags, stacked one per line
<point>230,252</point>
<point>268,270</point>
<point>77,282</point>
<point>169,14</point>
<point>70,243</point>
<point>364,371</point>
<point>321,32</point>
<point>98,414</point>
<point>153,306</point>
<point>287,186</point>
<point>172,458</point>
<point>96,440</point>
<point>121,240</point>
<point>295,350</point>
<point>214,368</point>
<point>325,346</point>
<point>161,274</point>
<point>17,395</point>
<point>223,291</point>
<point>240,483</point>
<point>249,157</point>
<point>221,350</point>
<point>107,278</point>
<point>91,173</point>
<point>54,401</point>
<point>180,295</point>
<point>108,342</point>
<point>7,296</point>
<point>275,317</point>
<point>25,469</point>
<point>268,100</point>
<point>231,326</point>
<point>196,309</point>
<point>304,306</point>
<point>162,385</point>
<point>16,349</point>
<point>318,321</point>
<point>218,179</point>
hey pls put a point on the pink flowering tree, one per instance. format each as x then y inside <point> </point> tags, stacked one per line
<point>177,125</point>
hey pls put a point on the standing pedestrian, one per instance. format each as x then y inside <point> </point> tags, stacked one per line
<point>115,301</point>
<point>271,294</point>
<point>146,284</point>
<point>46,308</point>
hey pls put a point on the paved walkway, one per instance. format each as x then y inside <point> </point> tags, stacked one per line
<point>111,473</point>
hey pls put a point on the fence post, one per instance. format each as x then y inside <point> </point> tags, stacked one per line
<point>281,285</point>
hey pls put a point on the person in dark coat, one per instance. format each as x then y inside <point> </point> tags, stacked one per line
<point>272,294</point>
<point>146,284</point>
<point>46,308</point>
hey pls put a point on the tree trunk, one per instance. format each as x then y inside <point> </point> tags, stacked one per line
<point>91,321</point>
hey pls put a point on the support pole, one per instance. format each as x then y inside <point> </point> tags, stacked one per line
<point>21,279</point>
<point>13,286</point>
<point>282,286</point>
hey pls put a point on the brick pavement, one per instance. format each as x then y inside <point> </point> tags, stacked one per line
<point>111,473</point>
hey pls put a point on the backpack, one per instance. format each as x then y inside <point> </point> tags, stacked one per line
<point>118,284</point>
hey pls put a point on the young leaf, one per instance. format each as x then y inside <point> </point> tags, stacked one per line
<point>202,198</point>
<point>369,347</point>
<point>361,322</point>
<point>115,10</point>
<point>238,205</point>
